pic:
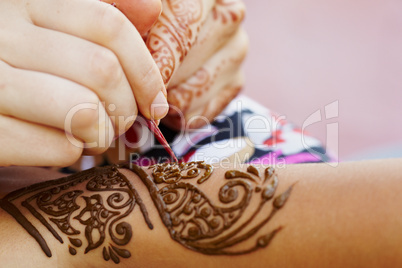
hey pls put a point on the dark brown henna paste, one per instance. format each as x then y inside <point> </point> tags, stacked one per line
<point>108,200</point>
<point>186,210</point>
<point>196,222</point>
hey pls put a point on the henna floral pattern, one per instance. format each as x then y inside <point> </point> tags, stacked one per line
<point>173,34</point>
<point>209,224</point>
<point>215,228</point>
<point>101,212</point>
<point>174,172</point>
<point>181,96</point>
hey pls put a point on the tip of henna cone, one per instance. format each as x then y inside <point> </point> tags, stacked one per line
<point>159,136</point>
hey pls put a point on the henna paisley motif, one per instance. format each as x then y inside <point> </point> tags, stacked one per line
<point>209,227</point>
<point>209,224</point>
<point>186,12</point>
<point>174,172</point>
<point>176,24</point>
<point>162,53</point>
<point>100,213</point>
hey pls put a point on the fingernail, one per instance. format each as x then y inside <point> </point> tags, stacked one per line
<point>159,106</point>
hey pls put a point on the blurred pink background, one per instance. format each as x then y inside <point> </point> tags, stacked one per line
<point>306,54</point>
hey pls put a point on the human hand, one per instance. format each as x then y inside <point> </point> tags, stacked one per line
<point>59,60</point>
<point>199,47</point>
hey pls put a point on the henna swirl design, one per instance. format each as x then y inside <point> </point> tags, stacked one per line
<point>182,95</point>
<point>174,172</point>
<point>198,223</point>
<point>177,24</point>
<point>228,10</point>
<point>210,224</point>
<point>102,214</point>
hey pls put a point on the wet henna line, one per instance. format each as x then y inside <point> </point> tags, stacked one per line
<point>113,256</point>
<point>261,243</point>
<point>194,203</point>
<point>72,250</point>
<point>218,246</point>
<point>122,252</point>
<point>238,229</point>
<point>17,215</point>
<point>238,174</point>
<point>5,203</point>
<point>43,221</point>
<point>270,189</point>
<point>269,172</point>
<point>105,254</point>
<point>58,201</point>
<point>253,170</point>
<point>75,242</point>
<point>278,203</point>
<point>153,191</point>
<point>249,233</point>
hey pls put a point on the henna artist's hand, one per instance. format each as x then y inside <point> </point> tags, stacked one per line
<point>199,47</point>
<point>57,55</point>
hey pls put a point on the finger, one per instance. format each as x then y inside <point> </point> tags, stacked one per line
<point>75,59</point>
<point>219,27</point>
<point>106,26</point>
<point>55,102</point>
<point>172,36</point>
<point>142,13</point>
<point>218,73</point>
<point>27,144</point>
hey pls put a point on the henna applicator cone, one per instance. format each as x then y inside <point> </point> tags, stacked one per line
<point>153,127</point>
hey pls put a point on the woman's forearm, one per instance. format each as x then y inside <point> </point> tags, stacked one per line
<point>315,215</point>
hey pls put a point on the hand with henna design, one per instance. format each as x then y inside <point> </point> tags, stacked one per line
<point>78,66</point>
<point>199,46</point>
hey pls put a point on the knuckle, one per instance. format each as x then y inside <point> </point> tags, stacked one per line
<point>105,67</point>
<point>111,22</point>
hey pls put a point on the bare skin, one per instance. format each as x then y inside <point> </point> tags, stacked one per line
<point>59,61</point>
<point>346,216</point>
<point>94,54</point>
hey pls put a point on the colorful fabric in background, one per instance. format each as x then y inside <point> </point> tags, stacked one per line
<point>245,132</point>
